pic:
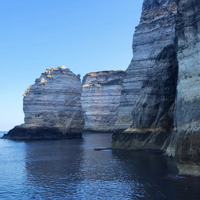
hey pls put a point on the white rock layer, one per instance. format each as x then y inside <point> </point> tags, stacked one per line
<point>100,100</point>
<point>52,106</point>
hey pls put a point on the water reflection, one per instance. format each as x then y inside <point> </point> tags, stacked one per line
<point>155,176</point>
<point>71,169</point>
<point>100,180</point>
<point>11,168</point>
<point>53,168</point>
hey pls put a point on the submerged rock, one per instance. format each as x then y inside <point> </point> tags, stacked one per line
<point>188,90</point>
<point>52,107</point>
<point>100,99</point>
<point>146,111</point>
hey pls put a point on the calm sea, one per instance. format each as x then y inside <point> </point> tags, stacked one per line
<point>71,169</point>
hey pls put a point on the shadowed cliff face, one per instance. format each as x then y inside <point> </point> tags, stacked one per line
<point>157,94</point>
<point>145,117</point>
<point>188,89</point>
<point>100,99</point>
<point>52,107</point>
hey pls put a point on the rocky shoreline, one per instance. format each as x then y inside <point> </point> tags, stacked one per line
<point>154,104</point>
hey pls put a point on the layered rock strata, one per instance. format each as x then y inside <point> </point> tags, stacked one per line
<point>100,100</point>
<point>52,107</point>
<point>145,117</point>
<point>188,97</point>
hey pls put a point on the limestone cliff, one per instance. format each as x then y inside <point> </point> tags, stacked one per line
<point>188,97</point>
<point>145,117</point>
<point>52,107</point>
<point>100,100</point>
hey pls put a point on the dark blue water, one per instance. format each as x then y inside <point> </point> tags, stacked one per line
<point>71,169</point>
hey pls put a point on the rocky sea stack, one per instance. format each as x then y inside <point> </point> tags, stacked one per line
<point>52,107</point>
<point>100,99</point>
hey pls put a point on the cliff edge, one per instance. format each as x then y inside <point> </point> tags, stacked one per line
<point>146,112</point>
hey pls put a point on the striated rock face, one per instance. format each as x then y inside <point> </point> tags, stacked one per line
<point>145,117</point>
<point>188,97</point>
<point>52,107</point>
<point>100,100</point>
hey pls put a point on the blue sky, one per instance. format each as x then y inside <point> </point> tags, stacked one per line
<point>83,35</point>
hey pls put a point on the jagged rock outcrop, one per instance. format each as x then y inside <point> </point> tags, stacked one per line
<point>146,111</point>
<point>52,107</point>
<point>188,90</point>
<point>100,99</point>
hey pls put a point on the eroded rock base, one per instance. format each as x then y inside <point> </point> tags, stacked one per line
<point>190,169</point>
<point>40,133</point>
<point>139,139</point>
